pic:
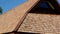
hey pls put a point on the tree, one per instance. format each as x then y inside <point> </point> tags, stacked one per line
<point>0,10</point>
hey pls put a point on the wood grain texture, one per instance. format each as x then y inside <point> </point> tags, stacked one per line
<point>11,20</point>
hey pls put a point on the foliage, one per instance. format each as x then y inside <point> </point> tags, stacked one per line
<point>0,10</point>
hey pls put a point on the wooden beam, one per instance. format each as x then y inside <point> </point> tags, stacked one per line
<point>11,20</point>
<point>55,4</point>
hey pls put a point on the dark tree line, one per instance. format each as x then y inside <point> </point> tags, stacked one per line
<point>0,10</point>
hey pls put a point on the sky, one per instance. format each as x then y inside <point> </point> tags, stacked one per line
<point>7,5</point>
<point>58,1</point>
